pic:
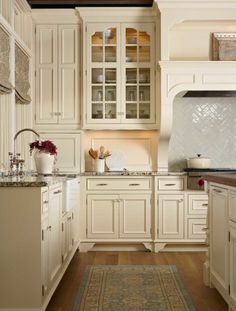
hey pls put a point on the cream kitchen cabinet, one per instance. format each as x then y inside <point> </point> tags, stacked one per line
<point>171,216</point>
<point>218,218</point>
<point>118,210</point>
<point>67,240</point>
<point>119,69</point>
<point>30,216</point>
<point>120,216</point>
<point>54,236</point>
<point>68,157</point>
<point>57,72</point>
<point>180,213</point>
<point>232,268</point>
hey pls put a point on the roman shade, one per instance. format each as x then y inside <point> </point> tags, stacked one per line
<point>22,84</point>
<point>5,85</point>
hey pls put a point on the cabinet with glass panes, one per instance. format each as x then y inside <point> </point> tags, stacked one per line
<point>120,81</point>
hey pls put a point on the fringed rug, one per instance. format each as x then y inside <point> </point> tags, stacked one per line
<point>132,288</point>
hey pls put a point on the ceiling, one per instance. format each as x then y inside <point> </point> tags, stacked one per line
<point>77,3</point>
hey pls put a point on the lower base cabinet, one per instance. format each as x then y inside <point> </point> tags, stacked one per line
<point>232,264</point>
<point>119,216</point>
<point>31,219</point>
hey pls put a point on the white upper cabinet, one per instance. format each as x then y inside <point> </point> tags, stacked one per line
<point>119,82</point>
<point>57,67</point>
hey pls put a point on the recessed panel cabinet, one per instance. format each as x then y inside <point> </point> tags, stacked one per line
<point>130,211</point>
<point>57,68</point>
<point>120,74</point>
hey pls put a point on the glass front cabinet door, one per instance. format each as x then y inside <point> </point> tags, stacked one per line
<point>120,82</point>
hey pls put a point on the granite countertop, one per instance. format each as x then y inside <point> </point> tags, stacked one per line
<point>224,179</point>
<point>31,181</point>
<point>133,173</point>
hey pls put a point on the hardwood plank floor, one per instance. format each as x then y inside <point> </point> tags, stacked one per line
<point>189,265</point>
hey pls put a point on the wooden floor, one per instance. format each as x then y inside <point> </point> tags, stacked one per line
<point>189,265</point>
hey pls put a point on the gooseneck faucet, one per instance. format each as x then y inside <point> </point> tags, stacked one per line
<point>15,160</point>
<point>24,130</point>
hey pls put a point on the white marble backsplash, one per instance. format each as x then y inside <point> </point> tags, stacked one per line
<point>206,126</point>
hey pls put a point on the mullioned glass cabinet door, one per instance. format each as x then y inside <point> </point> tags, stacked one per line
<point>103,73</point>
<point>138,72</point>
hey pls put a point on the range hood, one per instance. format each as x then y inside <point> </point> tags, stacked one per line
<point>209,94</point>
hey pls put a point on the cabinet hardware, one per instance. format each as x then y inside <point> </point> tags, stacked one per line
<point>62,258</point>
<point>204,204</point>
<point>205,229</point>
<point>58,191</point>
<point>170,184</point>
<point>101,185</point>
<point>43,290</point>
<point>72,215</point>
<point>86,230</point>
<point>49,228</point>
<point>62,227</point>
<point>134,184</point>
<point>229,236</point>
<point>45,202</point>
<point>42,235</point>
<point>69,218</point>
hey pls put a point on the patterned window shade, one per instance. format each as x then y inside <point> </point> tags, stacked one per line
<point>22,84</point>
<point>5,85</point>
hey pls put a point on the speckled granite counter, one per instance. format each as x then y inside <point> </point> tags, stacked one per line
<point>224,179</point>
<point>133,173</point>
<point>28,181</point>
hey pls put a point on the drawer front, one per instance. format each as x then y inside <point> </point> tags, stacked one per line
<point>118,184</point>
<point>45,201</point>
<point>232,206</point>
<point>196,228</point>
<point>197,204</point>
<point>170,184</point>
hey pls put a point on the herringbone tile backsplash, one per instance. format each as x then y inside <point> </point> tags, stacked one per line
<point>206,126</point>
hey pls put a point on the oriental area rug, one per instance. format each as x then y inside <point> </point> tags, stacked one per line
<point>132,288</point>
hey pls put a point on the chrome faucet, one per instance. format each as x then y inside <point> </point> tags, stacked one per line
<point>15,160</point>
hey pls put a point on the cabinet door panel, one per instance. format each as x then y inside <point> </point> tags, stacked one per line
<point>46,74</point>
<point>195,228</point>
<point>55,211</point>
<point>103,73</point>
<point>102,216</point>
<point>219,239</point>
<point>68,148</point>
<point>138,72</point>
<point>170,220</point>
<point>68,77</point>
<point>135,215</point>
<point>232,267</point>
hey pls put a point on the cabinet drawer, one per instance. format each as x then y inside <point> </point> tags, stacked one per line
<point>118,184</point>
<point>45,201</point>
<point>197,204</point>
<point>170,184</point>
<point>196,228</point>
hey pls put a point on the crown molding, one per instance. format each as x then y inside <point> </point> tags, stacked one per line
<point>198,4</point>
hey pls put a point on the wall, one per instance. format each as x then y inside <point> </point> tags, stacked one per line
<point>138,147</point>
<point>206,126</point>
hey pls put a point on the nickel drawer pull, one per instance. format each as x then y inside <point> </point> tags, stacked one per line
<point>69,218</point>
<point>204,204</point>
<point>170,184</point>
<point>134,184</point>
<point>205,229</point>
<point>49,228</point>
<point>58,191</point>
<point>45,202</point>
<point>101,185</point>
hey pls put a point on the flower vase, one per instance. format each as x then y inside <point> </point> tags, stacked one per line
<point>44,162</point>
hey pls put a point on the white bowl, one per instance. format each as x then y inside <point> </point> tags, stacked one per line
<point>99,78</point>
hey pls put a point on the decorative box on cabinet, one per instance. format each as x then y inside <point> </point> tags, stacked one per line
<point>57,71</point>
<point>117,211</point>
<point>68,157</point>
<point>119,62</point>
